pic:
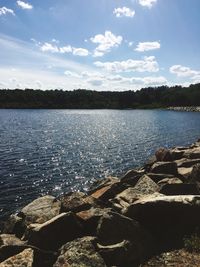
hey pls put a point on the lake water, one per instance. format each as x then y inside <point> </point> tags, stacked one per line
<point>56,151</point>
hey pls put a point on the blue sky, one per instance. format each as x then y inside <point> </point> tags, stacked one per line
<point>99,44</point>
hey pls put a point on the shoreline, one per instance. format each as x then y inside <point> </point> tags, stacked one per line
<point>188,109</point>
<point>118,222</point>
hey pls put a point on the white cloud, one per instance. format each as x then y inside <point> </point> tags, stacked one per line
<point>160,80</point>
<point>106,42</point>
<point>148,64</point>
<point>82,52</point>
<point>4,10</point>
<point>147,46</point>
<point>65,49</point>
<point>48,47</point>
<point>147,3</point>
<point>24,5</point>
<point>123,12</point>
<point>72,74</point>
<point>130,44</point>
<point>182,71</point>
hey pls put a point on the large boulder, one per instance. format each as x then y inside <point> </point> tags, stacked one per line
<point>193,153</point>
<point>163,154</point>
<point>114,228</point>
<point>39,211</point>
<point>164,167</point>
<point>168,218</point>
<point>90,219</point>
<point>54,233</point>
<point>144,186</point>
<point>98,184</point>
<point>80,253</point>
<point>78,201</point>
<point>25,259</point>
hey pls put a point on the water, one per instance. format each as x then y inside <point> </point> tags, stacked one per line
<point>56,151</point>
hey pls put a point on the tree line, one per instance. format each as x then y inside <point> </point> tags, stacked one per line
<point>151,97</point>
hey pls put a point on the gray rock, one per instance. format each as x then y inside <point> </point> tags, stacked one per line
<point>114,228</point>
<point>120,254</point>
<point>90,219</point>
<point>168,218</point>
<point>80,253</point>
<point>40,210</point>
<point>144,186</point>
<point>77,202</point>
<point>54,233</point>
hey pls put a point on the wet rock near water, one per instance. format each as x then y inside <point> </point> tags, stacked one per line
<point>119,222</point>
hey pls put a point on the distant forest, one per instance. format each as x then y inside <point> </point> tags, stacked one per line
<point>152,97</point>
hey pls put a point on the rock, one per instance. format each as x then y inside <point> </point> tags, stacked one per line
<point>40,210</point>
<point>90,219</point>
<point>187,163</point>
<point>109,191</point>
<point>119,254</point>
<point>195,173</point>
<point>179,189</point>
<point>176,154</point>
<point>102,183</point>
<point>78,201</point>
<point>80,253</point>
<point>185,172</point>
<point>132,177</point>
<point>23,259</point>
<point>169,181</point>
<point>54,233</point>
<point>163,154</point>
<point>14,225</point>
<point>144,186</point>
<point>168,218</point>
<point>149,163</point>
<point>9,246</point>
<point>192,153</point>
<point>157,177</point>
<point>114,228</point>
<point>9,240</point>
<point>164,167</point>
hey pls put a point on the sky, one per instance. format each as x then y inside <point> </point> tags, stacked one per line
<point>113,45</point>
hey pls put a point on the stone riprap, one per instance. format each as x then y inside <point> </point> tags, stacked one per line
<point>119,222</point>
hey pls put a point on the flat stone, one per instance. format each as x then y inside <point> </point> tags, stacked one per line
<point>40,210</point>
<point>187,163</point>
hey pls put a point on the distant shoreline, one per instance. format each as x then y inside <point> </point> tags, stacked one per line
<point>188,109</point>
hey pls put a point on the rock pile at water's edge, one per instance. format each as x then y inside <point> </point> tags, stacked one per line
<point>119,222</point>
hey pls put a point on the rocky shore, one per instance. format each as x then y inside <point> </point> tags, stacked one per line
<point>189,109</point>
<point>120,222</point>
